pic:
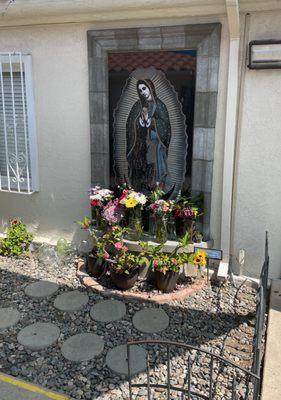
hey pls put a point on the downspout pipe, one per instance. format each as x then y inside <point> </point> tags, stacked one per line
<point>232,8</point>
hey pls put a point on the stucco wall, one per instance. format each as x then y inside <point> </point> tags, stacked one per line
<point>60,72</point>
<point>60,78</point>
<point>258,189</point>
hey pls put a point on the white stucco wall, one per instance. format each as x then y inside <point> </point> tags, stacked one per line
<point>60,73</point>
<point>60,78</point>
<point>258,190</point>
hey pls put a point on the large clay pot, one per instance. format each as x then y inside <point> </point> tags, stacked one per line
<point>124,281</point>
<point>166,282</point>
<point>95,266</point>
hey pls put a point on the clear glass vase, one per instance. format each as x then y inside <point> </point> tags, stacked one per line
<point>100,224</point>
<point>171,228</point>
<point>161,228</point>
<point>135,228</point>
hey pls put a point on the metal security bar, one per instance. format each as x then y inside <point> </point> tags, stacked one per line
<point>18,146</point>
<point>186,391</point>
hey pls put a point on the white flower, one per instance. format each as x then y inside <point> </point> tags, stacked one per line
<point>140,198</point>
<point>96,197</point>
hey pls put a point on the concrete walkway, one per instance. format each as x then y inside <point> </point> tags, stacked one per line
<point>272,366</point>
<point>16,389</point>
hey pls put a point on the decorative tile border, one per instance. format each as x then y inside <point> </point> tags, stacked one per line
<point>179,295</point>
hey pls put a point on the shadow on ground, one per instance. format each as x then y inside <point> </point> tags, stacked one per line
<point>199,321</point>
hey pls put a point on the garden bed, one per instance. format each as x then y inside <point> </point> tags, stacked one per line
<point>142,291</point>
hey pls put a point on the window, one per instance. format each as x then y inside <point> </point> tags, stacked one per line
<point>18,146</point>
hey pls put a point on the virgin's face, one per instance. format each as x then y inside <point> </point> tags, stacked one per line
<point>144,91</point>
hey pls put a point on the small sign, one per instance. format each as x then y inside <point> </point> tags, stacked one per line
<point>212,254</point>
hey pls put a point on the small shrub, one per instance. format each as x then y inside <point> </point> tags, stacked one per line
<point>17,241</point>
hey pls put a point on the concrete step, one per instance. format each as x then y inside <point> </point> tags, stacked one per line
<point>272,361</point>
<point>17,389</point>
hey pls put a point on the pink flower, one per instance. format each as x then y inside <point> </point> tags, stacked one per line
<point>118,246</point>
<point>106,255</point>
<point>174,261</point>
<point>155,263</point>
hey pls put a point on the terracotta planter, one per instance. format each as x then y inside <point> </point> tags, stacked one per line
<point>95,266</point>
<point>166,282</point>
<point>123,281</point>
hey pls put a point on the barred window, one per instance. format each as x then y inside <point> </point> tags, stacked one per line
<point>18,146</point>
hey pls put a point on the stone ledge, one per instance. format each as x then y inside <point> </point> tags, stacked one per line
<point>180,295</point>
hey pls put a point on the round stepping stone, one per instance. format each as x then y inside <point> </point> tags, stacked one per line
<point>82,347</point>
<point>39,335</point>
<point>41,289</point>
<point>8,317</point>
<point>108,311</point>
<point>71,301</point>
<point>116,359</point>
<point>151,320</point>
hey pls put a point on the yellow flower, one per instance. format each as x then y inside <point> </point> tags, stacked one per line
<point>201,254</point>
<point>131,202</point>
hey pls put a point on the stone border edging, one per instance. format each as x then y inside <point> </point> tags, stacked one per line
<point>180,295</point>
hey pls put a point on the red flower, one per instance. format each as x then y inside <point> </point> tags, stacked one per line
<point>95,203</point>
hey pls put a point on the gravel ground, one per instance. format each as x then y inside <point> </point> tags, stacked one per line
<point>217,319</point>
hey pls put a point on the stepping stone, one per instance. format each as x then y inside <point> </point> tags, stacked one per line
<point>82,347</point>
<point>116,359</point>
<point>41,289</point>
<point>108,311</point>
<point>8,317</point>
<point>151,320</point>
<point>71,301</point>
<point>39,335</point>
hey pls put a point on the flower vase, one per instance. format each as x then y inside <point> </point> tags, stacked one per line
<point>161,229</point>
<point>134,229</point>
<point>171,228</point>
<point>99,221</point>
<point>185,225</point>
<point>151,229</point>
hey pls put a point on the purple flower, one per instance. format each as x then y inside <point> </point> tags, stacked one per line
<point>113,212</point>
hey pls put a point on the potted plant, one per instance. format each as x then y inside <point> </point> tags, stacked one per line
<point>167,266</point>
<point>166,269</point>
<point>125,267</point>
<point>96,259</point>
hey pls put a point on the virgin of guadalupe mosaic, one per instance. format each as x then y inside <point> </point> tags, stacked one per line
<point>150,141</point>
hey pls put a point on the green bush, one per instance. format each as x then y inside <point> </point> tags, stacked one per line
<point>17,240</point>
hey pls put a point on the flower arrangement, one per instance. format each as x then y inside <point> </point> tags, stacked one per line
<point>131,199</point>
<point>162,207</point>
<point>113,212</point>
<point>99,196</point>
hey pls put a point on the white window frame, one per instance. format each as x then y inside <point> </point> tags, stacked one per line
<point>32,183</point>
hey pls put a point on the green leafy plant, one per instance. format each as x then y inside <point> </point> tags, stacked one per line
<point>17,240</point>
<point>125,262</point>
